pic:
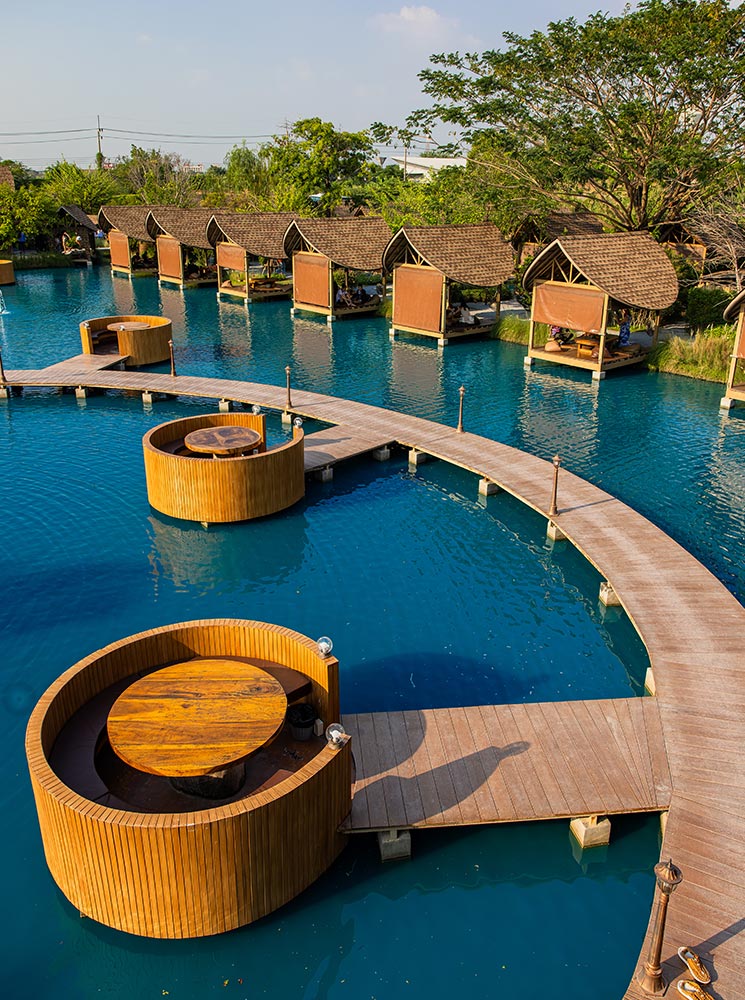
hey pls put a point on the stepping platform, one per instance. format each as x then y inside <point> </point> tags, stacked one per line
<point>85,364</point>
<point>334,444</point>
<point>507,764</point>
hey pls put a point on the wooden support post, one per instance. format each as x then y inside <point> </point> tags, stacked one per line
<point>656,331</point>
<point>608,596</point>
<point>589,831</point>
<point>488,488</point>
<point>497,306</point>
<point>603,338</point>
<point>394,845</point>
<point>528,360</point>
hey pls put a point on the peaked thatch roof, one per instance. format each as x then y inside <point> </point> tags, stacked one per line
<point>78,215</point>
<point>354,243</point>
<point>259,233</point>
<point>187,225</point>
<point>630,267</point>
<point>6,176</point>
<point>475,254</point>
<point>730,313</point>
<point>128,219</point>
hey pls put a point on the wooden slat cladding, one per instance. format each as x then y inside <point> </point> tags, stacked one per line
<point>226,489</point>
<point>138,347</point>
<point>190,874</point>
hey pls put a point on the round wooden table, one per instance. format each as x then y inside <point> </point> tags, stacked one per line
<point>230,439</point>
<point>196,718</point>
<point>130,325</point>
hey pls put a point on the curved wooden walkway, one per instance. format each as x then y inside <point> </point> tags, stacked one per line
<point>692,626</point>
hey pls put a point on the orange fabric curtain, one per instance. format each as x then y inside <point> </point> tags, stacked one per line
<point>231,256</point>
<point>169,257</point>
<point>311,279</point>
<point>119,246</point>
<point>417,297</point>
<point>571,306</point>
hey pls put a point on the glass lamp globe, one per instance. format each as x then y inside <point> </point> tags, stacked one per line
<point>298,421</point>
<point>256,409</point>
<point>325,645</point>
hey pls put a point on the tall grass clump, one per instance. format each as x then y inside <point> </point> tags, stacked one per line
<point>706,356</point>
<point>513,329</point>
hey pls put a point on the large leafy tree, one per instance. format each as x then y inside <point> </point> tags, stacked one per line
<point>157,178</point>
<point>636,117</point>
<point>314,159</point>
<point>30,211</point>
<point>68,184</point>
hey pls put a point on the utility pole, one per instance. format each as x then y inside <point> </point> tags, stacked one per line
<point>99,155</point>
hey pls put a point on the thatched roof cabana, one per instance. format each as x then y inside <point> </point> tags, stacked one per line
<point>74,218</point>
<point>318,245</point>
<point>426,260</point>
<point>537,232</point>
<point>129,240</point>
<point>176,231</point>
<point>578,279</point>
<point>237,238</point>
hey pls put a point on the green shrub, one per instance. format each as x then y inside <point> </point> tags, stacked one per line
<point>706,356</point>
<point>706,305</point>
<point>513,329</point>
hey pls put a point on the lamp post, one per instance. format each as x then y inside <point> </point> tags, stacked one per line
<point>462,392</point>
<point>553,510</point>
<point>289,399</point>
<point>173,358</point>
<point>668,877</point>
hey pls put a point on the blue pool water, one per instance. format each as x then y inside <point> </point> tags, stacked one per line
<point>431,598</point>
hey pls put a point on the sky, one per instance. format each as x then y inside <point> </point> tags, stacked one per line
<point>227,71</point>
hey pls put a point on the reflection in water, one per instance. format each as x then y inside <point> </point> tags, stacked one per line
<point>173,304</point>
<point>225,557</point>
<point>416,376</point>
<point>313,353</point>
<point>569,424</point>
<point>124,295</point>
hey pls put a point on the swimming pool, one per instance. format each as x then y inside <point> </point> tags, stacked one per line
<point>450,601</point>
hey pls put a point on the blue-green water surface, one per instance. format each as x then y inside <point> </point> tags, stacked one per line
<point>432,599</point>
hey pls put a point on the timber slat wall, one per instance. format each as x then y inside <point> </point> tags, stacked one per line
<point>136,347</point>
<point>507,763</point>
<point>691,625</point>
<point>190,874</point>
<point>226,489</point>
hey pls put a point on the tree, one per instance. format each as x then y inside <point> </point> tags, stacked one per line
<point>68,184</point>
<point>314,159</point>
<point>157,178</point>
<point>634,117</point>
<point>720,224</point>
<point>28,210</point>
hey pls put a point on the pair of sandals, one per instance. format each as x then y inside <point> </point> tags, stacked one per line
<point>688,988</point>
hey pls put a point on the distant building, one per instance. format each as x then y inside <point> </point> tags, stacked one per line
<point>420,168</point>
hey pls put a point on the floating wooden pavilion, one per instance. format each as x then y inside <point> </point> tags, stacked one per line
<point>426,261</point>
<point>73,217</point>
<point>317,246</point>
<point>239,239</point>
<point>134,340</point>
<point>222,818</point>
<point>176,232</point>
<point>132,247</point>
<point>735,390</point>
<point>577,280</point>
<point>242,484</point>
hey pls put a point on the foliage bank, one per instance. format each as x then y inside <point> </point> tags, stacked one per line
<point>706,356</point>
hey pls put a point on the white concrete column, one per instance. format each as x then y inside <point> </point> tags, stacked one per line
<point>590,831</point>
<point>394,845</point>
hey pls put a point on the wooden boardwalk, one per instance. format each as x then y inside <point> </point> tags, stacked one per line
<point>691,625</point>
<point>335,444</point>
<point>507,763</point>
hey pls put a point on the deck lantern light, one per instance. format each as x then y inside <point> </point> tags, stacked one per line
<point>335,734</point>
<point>668,877</point>
<point>553,510</point>
<point>298,422</point>
<point>173,359</point>
<point>462,392</point>
<point>289,398</point>
<point>325,645</point>
<point>256,409</point>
